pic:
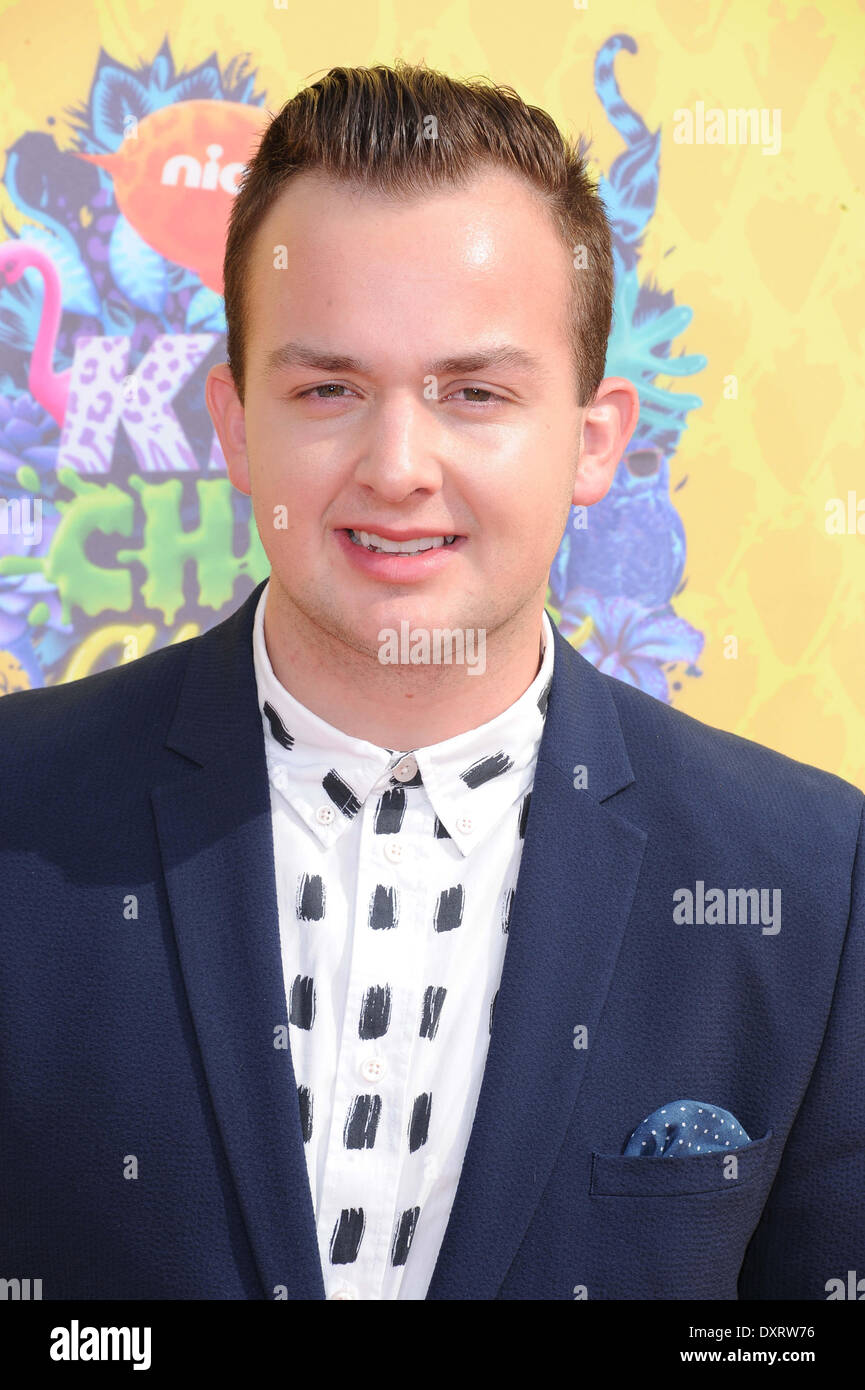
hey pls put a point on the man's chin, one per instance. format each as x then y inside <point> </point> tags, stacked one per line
<point>397,628</point>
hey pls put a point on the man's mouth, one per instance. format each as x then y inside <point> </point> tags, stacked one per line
<point>368,540</point>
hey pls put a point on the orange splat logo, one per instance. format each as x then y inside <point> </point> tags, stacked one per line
<point>175,176</point>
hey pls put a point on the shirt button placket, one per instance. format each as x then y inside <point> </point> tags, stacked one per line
<point>397,862</point>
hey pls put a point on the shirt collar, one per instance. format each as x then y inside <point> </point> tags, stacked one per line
<point>326,775</point>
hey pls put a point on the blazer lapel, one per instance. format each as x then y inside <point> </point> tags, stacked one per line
<point>214,829</point>
<point>575,888</point>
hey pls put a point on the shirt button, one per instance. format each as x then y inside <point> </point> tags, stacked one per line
<point>393,852</point>
<point>324,815</point>
<point>464,825</point>
<point>344,1291</point>
<point>373,1069</point>
<point>431,1167</point>
<point>406,770</point>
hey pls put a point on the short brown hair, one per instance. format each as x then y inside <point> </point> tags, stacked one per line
<point>366,127</point>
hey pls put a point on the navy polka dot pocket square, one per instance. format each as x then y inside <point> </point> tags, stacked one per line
<point>686,1127</point>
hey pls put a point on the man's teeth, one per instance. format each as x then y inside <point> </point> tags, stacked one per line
<point>371,541</point>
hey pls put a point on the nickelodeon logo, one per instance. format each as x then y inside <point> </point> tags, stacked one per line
<point>156,177</point>
<point>211,176</point>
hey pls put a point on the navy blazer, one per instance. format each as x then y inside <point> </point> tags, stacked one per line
<point>150,1134</point>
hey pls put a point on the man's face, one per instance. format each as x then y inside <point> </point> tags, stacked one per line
<point>409,440</point>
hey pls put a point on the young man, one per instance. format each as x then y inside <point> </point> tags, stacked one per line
<point>412,1003</point>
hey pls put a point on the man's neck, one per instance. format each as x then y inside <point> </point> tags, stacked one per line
<point>399,706</point>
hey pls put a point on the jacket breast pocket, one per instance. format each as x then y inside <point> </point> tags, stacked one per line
<point>614,1175</point>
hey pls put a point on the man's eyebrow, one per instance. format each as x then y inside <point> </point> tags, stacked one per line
<point>297,354</point>
<point>503,355</point>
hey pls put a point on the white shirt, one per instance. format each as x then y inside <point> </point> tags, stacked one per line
<point>395,876</point>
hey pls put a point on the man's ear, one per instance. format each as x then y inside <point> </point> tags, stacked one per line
<point>608,424</point>
<point>229,421</point>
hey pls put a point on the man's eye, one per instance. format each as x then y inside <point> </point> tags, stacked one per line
<point>478,391</point>
<point>330,386</point>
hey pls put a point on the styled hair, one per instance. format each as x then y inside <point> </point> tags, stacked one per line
<point>405,130</point>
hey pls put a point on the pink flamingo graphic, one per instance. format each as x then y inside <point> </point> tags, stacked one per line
<point>49,388</point>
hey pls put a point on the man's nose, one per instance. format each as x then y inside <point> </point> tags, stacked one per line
<point>400,449</point>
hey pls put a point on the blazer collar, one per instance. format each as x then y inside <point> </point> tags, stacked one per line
<point>576,885</point>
